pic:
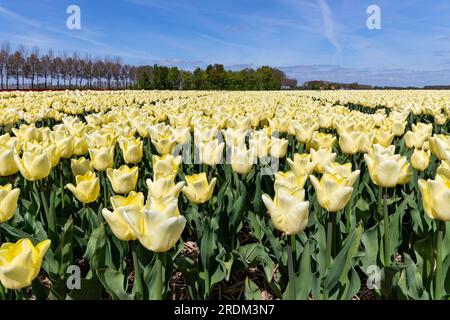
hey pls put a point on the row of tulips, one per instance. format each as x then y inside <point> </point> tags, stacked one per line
<point>72,198</point>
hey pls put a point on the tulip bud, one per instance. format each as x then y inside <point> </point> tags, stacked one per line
<point>132,149</point>
<point>87,187</point>
<point>435,197</point>
<point>288,212</point>
<point>80,166</point>
<point>198,190</point>
<point>301,165</point>
<point>157,230</point>
<point>124,179</point>
<point>321,158</point>
<point>20,262</point>
<point>8,202</point>
<point>211,152</point>
<point>420,159</point>
<point>387,169</point>
<point>165,166</point>
<point>242,159</point>
<point>118,223</point>
<point>34,165</point>
<point>102,158</point>
<point>7,164</point>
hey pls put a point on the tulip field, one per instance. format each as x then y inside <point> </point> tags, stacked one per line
<point>175,195</point>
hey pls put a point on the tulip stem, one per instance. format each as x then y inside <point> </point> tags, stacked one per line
<point>51,222</point>
<point>387,240</point>
<point>159,276</point>
<point>2,292</point>
<point>137,287</point>
<point>438,283</point>
<point>105,191</point>
<point>380,202</point>
<point>19,294</point>
<point>331,222</point>
<point>291,294</point>
<point>61,183</point>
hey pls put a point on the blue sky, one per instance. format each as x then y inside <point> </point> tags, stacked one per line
<point>308,39</point>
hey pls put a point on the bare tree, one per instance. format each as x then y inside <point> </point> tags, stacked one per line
<point>23,53</point>
<point>45,68</point>
<point>6,49</point>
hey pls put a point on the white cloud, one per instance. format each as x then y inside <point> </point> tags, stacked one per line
<point>328,25</point>
<point>18,17</point>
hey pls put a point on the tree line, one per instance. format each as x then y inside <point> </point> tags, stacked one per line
<point>25,68</point>
<point>28,68</point>
<point>213,77</point>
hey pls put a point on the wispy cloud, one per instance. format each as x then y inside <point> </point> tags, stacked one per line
<point>222,41</point>
<point>328,25</point>
<point>15,16</point>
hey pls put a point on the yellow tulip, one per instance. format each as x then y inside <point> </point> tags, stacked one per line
<point>242,159</point>
<point>20,262</point>
<point>290,181</point>
<point>288,212</point>
<point>420,159</point>
<point>87,187</point>
<point>398,126</point>
<point>180,119</point>
<point>101,139</point>
<point>132,149</point>
<point>234,137</point>
<point>260,142</point>
<point>159,131</point>
<point>118,223</point>
<point>335,188</point>
<point>343,171</point>
<point>182,135</point>
<point>387,169</point>
<point>384,137</point>
<point>440,146</point>
<point>53,154</point>
<point>80,146</point>
<point>205,134</point>
<point>366,141</point>
<point>278,147</point>
<point>164,145</point>
<point>279,125</point>
<point>133,199</point>
<point>304,131</point>
<point>301,165</point>
<point>102,158</point>
<point>321,158</point>
<point>80,166</point>
<point>211,152</point>
<point>124,179</point>
<point>7,164</point>
<point>349,142</point>
<point>440,119</point>
<point>163,187</point>
<point>165,166</point>
<point>436,197</point>
<point>157,230</point>
<point>198,190</point>
<point>64,144</point>
<point>420,133</point>
<point>322,140</point>
<point>28,133</point>
<point>444,169</point>
<point>8,202</point>
<point>34,165</point>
